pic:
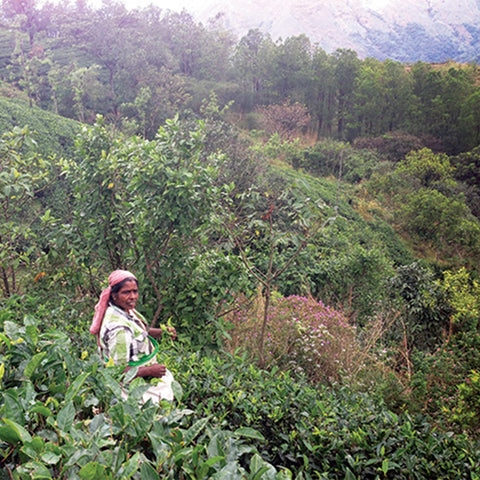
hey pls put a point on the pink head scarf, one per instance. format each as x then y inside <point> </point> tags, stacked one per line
<point>115,277</point>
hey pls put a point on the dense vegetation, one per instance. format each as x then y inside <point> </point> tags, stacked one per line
<point>139,67</point>
<point>308,222</point>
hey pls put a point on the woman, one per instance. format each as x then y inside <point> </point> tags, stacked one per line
<point>123,335</point>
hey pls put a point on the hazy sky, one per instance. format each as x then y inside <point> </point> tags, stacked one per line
<point>176,5</point>
<point>198,5</point>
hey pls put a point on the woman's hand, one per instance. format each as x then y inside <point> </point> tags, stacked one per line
<point>172,332</point>
<point>156,370</point>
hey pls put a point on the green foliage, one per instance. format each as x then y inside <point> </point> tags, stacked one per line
<point>423,306</point>
<point>427,168</point>
<point>149,206</point>
<point>393,146</point>
<point>22,179</point>
<point>424,196</point>
<point>52,134</point>
<point>318,431</point>
<point>62,417</point>
<point>468,412</point>
<point>444,380</point>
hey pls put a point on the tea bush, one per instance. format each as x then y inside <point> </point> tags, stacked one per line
<point>61,418</point>
<point>322,432</point>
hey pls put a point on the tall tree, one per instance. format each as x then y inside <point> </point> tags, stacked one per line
<point>346,67</point>
<point>291,68</point>
<point>249,66</point>
<point>321,97</point>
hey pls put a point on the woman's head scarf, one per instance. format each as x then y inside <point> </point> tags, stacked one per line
<point>115,277</point>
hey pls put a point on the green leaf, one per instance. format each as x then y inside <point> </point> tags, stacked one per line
<point>31,332</point>
<point>15,429</point>
<point>50,457</point>
<point>195,429</point>
<point>249,433</point>
<point>37,470</point>
<point>9,435</point>
<point>131,466</point>
<point>147,472</point>
<point>205,466</point>
<point>92,471</point>
<point>39,408</point>
<point>65,417</point>
<point>177,390</point>
<point>33,364</point>
<point>75,387</point>
<point>258,467</point>
<point>349,475</point>
<point>13,407</point>
<point>385,466</point>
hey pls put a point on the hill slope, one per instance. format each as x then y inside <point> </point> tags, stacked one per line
<point>53,134</point>
<point>403,30</point>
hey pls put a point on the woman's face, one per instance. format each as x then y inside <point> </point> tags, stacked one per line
<point>126,298</point>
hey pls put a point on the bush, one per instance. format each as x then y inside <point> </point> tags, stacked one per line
<point>322,432</point>
<point>302,335</point>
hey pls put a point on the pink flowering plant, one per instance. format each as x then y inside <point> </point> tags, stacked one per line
<point>302,335</point>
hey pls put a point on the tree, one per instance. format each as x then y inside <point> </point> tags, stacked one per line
<point>22,178</point>
<point>346,65</point>
<point>249,64</point>
<point>148,206</point>
<point>287,119</point>
<point>291,68</point>
<point>426,168</point>
<point>470,121</point>
<point>270,230</point>
<point>321,95</point>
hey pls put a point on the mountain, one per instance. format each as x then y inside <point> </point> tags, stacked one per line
<point>403,30</point>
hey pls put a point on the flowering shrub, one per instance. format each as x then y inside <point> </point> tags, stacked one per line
<point>302,334</point>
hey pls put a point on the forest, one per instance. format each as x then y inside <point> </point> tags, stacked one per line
<point>309,222</point>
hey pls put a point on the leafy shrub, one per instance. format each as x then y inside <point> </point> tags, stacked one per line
<point>468,411</point>
<point>62,418</point>
<point>393,145</point>
<point>330,157</point>
<point>53,134</point>
<point>321,432</point>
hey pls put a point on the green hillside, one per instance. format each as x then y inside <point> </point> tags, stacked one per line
<point>308,222</point>
<point>54,135</point>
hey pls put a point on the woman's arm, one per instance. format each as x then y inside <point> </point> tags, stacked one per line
<point>156,370</point>
<point>157,332</point>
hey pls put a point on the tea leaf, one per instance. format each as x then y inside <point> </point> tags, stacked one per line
<point>75,386</point>
<point>33,364</point>
<point>51,458</point>
<point>131,466</point>
<point>147,472</point>
<point>91,471</point>
<point>65,417</point>
<point>195,429</point>
<point>18,430</point>
<point>177,390</point>
<point>37,470</point>
<point>249,433</point>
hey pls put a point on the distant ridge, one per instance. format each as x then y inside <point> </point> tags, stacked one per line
<point>403,30</point>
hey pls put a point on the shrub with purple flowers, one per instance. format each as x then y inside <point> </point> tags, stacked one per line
<point>302,335</point>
